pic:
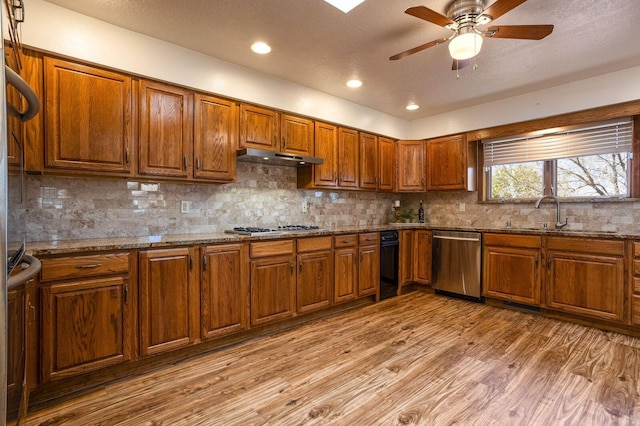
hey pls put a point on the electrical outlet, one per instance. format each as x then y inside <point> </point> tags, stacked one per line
<point>461,207</point>
<point>184,206</point>
<point>305,206</point>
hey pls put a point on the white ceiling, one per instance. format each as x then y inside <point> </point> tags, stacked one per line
<point>317,46</point>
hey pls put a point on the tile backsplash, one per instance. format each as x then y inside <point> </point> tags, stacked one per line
<point>63,208</point>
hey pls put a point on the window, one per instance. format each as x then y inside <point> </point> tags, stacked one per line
<point>581,161</point>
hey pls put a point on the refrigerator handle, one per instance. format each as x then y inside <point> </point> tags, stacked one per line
<point>33,104</point>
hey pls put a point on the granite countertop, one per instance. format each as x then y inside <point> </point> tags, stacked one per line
<point>158,241</point>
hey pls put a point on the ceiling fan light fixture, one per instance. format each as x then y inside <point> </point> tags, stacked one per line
<point>260,48</point>
<point>465,45</point>
<point>354,84</point>
<point>412,106</point>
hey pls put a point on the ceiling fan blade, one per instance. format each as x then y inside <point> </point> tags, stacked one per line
<point>501,7</point>
<point>418,49</point>
<point>459,64</point>
<point>429,15</point>
<point>525,32</point>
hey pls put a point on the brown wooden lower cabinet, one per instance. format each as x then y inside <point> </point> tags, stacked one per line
<point>422,256</point>
<point>634,274</point>
<point>346,268</point>
<point>369,264</point>
<point>87,314</point>
<point>224,290</point>
<point>315,274</point>
<point>512,267</point>
<point>586,277</point>
<point>405,256</point>
<point>168,300</point>
<point>273,281</point>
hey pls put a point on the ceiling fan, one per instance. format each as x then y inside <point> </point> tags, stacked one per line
<point>463,18</point>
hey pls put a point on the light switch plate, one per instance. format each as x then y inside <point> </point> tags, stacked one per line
<point>184,207</point>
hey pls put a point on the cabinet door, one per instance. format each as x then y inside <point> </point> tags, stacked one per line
<point>586,284</point>
<point>447,163</point>
<point>411,166</point>
<point>225,290</point>
<point>168,300</point>
<point>15,345</point>
<point>315,279</point>
<point>346,274</point>
<point>422,257</point>
<point>215,138</point>
<point>166,123</point>
<point>368,161</point>
<point>348,158</point>
<point>326,140</point>
<point>405,257</point>
<point>273,289</point>
<point>88,118</point>
<point>386,164</point>
<point>85,326</point>
<point>369,271</point>
<point>512,274</point>
<point>297,135</point>
<point>259,128</point>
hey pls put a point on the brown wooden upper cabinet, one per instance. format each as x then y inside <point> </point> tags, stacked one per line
<point>348,167</point>
<point>451,163</point>
<point>259,128</point>
<point>87,117</point>
<point>368,161</point>
<point>297,135</point>
<point>165,134</point>
<point>323,175</point>
<point>215,138</point>
<point>411,166</point>
<point>386,164</point>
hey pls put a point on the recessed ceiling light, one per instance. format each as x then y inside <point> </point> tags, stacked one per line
<point>261,47</point>
<point>344,5</point>
<point>354,83</point>
<point>412,106</point>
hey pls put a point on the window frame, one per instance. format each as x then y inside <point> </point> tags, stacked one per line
<point>549,172</point>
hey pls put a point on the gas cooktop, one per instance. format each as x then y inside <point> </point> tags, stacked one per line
<point>253,231</point>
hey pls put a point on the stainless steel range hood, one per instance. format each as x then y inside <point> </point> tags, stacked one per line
<point>277,158</point>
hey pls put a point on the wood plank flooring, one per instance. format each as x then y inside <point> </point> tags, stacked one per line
<point>417,359</point>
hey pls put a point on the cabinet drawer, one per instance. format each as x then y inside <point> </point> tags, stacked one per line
<point>84,266</point>
<point>636,285</point>
<point>271,248</point>
<point>512,240</point>
<point>314,244</point>
<point>345,240</point>
<point>635,319</point>
<point>636,249</point>
<point>369,238</point>
<point>636,267</point>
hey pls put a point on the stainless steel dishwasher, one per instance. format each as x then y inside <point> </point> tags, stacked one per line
<point>456,263</point>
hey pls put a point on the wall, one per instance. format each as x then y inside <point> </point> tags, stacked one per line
<point>61,208</point>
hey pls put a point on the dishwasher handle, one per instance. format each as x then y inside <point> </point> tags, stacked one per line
<point>442,237</point>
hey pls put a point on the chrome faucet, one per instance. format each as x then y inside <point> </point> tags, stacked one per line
<point>559,225</point>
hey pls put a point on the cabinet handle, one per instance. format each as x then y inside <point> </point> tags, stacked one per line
<point>184,162</point>
<point>90,266</point>
<point>292,269</point>
<point>197,163</point>
<point>33,312</point>
<point>335,176</point>
<point>346,241</point>
<point>300,267</point>
<point>549,262</point>
<point>204,262</point>
<point>422,181</point>
<point>275,140</point>
<point>284,142</point>
<point>126,294</point>
<point>127,157</point>
<point>537,261</point>
<point>190,263</point>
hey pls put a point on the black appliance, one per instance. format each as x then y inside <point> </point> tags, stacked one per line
<point>389,249</point>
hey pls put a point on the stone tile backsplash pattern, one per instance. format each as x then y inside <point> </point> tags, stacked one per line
<point>63,208</point>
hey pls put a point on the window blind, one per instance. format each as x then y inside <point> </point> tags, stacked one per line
<point>608,137</point>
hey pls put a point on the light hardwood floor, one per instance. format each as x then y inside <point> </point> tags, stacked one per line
<point>414,359</point>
